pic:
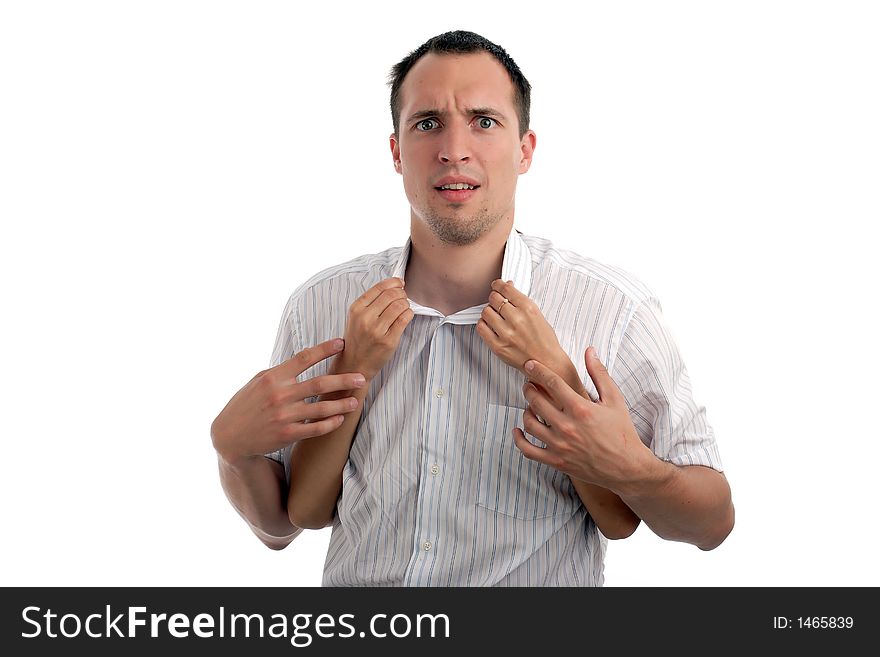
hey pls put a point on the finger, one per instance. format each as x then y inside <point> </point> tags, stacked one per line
<point>321,385</point>
<point>397,327</point>
<point>605,385</point>
<point>537,398</point>
<point>530,451</point>
<point>385,299</point>
<point>538,429</point>
<point>324,409</point>
<point>554,385</point>
<point>508,291</point>
<point>494,321</point>
<point>499,303</point>
<point>301,430</point>
<point>374,292</point>
<point>390,314</point>
<point>300,362</point>
<point>487,334</point>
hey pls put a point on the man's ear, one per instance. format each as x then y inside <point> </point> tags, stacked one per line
<point>527,147</point>
<point>395,152</point>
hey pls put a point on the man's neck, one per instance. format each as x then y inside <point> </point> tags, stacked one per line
<point>450,277</point>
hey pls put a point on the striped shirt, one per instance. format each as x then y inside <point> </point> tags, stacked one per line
<point>435,492</point>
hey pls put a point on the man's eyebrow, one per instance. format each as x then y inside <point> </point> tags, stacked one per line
<point>471,111</point>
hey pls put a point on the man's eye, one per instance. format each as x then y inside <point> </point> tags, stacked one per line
<point>486,122</point>
<point>427,124</point>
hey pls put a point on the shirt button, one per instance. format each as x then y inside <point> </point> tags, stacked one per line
<point>427,545</point>
<point>440,392</point>
<point>435,469</point>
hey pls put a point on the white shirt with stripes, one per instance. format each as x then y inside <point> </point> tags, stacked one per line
<point>435,492</point>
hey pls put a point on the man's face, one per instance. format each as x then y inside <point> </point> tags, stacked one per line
<point>458,124</point>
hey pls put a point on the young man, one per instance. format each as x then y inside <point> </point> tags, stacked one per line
<point>465,432</point>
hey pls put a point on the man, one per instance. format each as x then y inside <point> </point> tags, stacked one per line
<point>465,431</point>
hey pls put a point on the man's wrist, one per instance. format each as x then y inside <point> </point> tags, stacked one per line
<point>648,475</point>
<point>343,364</point>
<point>563,366</point>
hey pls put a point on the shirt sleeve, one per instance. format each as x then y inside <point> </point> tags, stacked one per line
<point>651,375</point>
<point>286,345</point>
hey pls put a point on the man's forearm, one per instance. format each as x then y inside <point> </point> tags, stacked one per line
<point>316,464</point>
<point>256,488</point>
<point>612,516</point>
<point>691,504</point>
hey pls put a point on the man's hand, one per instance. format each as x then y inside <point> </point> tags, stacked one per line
<point>270,411</point>
<point>516,331</point>
<point>375,323</point>
<point>595,442</point>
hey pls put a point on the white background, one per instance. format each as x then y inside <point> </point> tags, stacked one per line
<point>171,171</point>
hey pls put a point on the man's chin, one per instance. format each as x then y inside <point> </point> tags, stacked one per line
<point>458,231</point>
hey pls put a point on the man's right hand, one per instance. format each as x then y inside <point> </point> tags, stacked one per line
<point>270,412</point>
<point>376,321</point>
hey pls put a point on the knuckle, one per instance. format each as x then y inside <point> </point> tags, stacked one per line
<point>286,426</point>
<point>311,430</point>
<point>583,413</point>
<point>316,386</point>
<point>265,380</point>
<point>558,464</point>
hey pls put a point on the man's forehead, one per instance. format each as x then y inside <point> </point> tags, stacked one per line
<point>478,79</point>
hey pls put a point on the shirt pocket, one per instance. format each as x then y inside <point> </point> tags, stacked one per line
<point>513,485</point>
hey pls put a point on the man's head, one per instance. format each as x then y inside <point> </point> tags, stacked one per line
<point>461,42</point>
<point>460,107</point>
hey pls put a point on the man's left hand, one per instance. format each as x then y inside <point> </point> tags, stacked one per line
<point>592,441</point>
<point>515,330</point>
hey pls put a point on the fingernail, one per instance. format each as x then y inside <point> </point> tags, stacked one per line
<point>352,402</point>
<point>595,353</point>
<point>359,381</point>
<point>530,365</point>
<point>511,282</point>
<point>338,344</point>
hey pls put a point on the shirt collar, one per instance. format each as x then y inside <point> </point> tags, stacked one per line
<point>516,266</point>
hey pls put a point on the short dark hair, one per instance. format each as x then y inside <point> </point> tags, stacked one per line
<point>455,43</point>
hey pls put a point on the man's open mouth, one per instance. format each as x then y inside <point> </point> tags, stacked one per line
<point>457,186</point>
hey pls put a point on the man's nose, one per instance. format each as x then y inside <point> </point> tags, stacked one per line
<point>455,146</point>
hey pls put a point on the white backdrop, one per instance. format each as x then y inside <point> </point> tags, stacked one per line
<point>171,171</point>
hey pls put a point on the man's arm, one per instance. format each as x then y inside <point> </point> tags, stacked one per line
<point>597,442</point>
<point>256,487</point>
<point>614,518</point>
<point>522,333</point>
<point>267,414</point>
<point>375,323</point>
<point>689,503</point>
<point>316,466</point>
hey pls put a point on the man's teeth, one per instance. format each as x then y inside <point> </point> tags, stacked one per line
<point>458,186</point>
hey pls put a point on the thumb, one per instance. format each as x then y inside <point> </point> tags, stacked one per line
<point>605,386</point>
